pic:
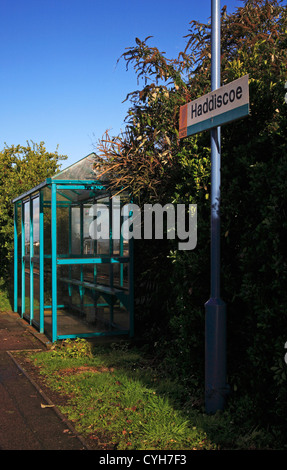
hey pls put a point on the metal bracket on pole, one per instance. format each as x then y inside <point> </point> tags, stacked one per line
<point>215,309</point>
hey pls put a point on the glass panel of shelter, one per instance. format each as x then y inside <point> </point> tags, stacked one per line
<point>35,312</point>
<point>76,283</point>
<point>18,300</point>
<point>26,260</point>
<point>28,257</point>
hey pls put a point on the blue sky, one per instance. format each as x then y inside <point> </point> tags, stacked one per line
<point>60,82</point>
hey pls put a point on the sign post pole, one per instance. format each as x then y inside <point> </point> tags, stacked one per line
<point>221,106</point>
<point>215,308</point>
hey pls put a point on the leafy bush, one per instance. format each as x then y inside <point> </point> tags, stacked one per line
<point>156,166</point>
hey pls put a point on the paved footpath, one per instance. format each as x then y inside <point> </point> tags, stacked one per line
<point>27,422</point>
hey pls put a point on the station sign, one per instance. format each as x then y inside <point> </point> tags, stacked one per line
<point>226,104</point>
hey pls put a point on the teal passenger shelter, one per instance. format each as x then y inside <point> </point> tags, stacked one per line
<point>68,283</point>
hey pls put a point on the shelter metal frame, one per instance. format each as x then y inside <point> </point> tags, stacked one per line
<point>31,259</point>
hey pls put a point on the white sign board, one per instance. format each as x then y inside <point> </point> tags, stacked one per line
<point>218,107</point>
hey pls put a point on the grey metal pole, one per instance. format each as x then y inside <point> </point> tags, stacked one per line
<point>215,308</point>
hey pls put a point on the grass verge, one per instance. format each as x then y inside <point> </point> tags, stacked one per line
<point>117,398</point>
<point>114,393</point>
